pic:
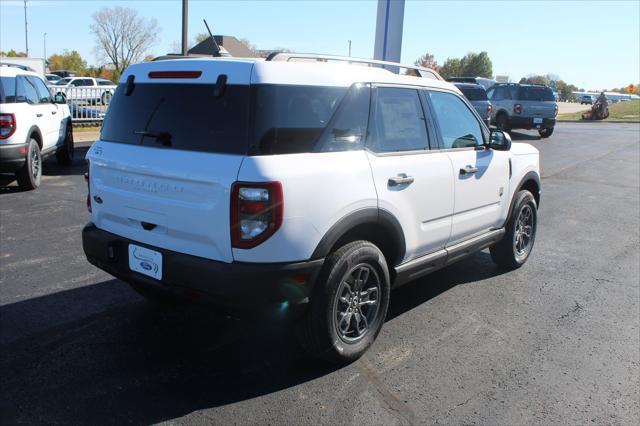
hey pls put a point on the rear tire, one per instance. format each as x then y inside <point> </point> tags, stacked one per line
<point>515,247</point>
<point>64,155</point>
<point>30,175</point>
<point>546,132</point>
<point>106,98</point>
<point>502,122</point>
<point>348,305</point>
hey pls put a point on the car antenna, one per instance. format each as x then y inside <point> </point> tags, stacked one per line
<point>213,39</point>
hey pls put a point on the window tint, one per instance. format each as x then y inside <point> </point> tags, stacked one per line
<point>398,121</point>
<point>7,90</point>
<point>290,119</point>
<point>458,125</point>
<point>62,82</point>
<point>26,91</point>
<point>347,130</point>
<point>474,93</point>
<point>44,96</point>
<point>105,83</point>
<point>179,116</point>
<point>501,93</point>
<point>535,93</point>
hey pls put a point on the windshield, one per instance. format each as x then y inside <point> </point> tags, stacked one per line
<point>535,93</point>
<point>179,116</point>
<point>474,93</point>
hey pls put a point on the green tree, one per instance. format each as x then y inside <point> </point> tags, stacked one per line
<point>565,91</point>
<point>535,79</point>
<point>13,54</point>
<point>477,65</point>
<point>452,67</point>
<point>67,61</point>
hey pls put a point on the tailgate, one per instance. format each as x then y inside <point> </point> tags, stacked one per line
<point>176,200</point>
<point>539,109</point>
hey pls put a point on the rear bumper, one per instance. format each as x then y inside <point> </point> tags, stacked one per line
<point>11,157</point>
<point>235,284</point>
<point>517,122</point>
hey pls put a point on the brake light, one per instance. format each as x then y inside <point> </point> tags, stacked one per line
<point>86,179</point>
<point>7,125</point>
<point>175,74</point>
<point>555,112</point>
<point>489,110</point>
<point>517,108</point>
<point>256,212</point>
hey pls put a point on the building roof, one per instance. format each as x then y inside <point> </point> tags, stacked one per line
<point>232,45</point>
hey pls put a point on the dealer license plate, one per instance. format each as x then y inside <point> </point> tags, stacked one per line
<point>145,261</point>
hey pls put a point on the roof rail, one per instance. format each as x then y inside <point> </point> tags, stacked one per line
<point>22,67</point>
<point>286,56</point>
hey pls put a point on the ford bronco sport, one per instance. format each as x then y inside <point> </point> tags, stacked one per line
<point>316,185</point>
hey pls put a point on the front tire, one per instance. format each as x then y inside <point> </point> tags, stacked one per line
<point>348,305</point>
<point>31,173</point>
<point>64,156</point>
<point>515,247</point>
<point>546,132</point>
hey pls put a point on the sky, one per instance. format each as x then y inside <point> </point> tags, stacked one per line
<point>592,44</point>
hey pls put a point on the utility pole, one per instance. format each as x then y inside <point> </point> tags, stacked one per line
<point>389,23</point>
<point>349,48</point>
<point>44,36</point>
<point>185,25</point>
<point>26,39</point>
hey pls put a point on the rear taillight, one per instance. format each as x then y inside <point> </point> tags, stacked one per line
<point>489,110</point>
<point>86,179</point>
<point>517,108</point>
<point>555,112</point>
<point>7,125</point>
<point>256,212</point>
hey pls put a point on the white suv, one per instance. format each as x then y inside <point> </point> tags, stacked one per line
<point>32,126</point>
<point>318,186</point>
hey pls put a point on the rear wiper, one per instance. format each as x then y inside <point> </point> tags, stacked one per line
<point>163,137</point>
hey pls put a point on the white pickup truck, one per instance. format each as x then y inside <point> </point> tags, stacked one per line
<point>89,89</point>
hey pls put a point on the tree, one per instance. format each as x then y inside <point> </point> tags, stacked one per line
<point>535,79</point>
<point>565,91</point>
<point>122,36</point>
<point>67,61</point>
<point>477,65</point>
<point>452,67</point>
<point>201,37</point>
<point>13,54</point>
<point>427,61</point>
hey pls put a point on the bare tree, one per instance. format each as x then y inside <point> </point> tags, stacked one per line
<point>122,36</point>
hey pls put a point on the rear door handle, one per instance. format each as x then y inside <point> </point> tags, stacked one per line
<point>38,115</point>
<point>401,179</point>
<point>54,112</point>
<point>468,170</point>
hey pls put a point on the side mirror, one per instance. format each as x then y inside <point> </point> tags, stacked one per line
<point>500,140</point>
<point>59,99</point>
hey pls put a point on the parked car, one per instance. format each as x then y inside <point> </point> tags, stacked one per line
<point>86,89</point>
<point>65,73</point>
<point>32,126</point>
<point>345,182</point>
<point>484,82</point>
<point>52,78</point>
<point>477,96</point>
<point>586,99</point>
<point>523,106</point>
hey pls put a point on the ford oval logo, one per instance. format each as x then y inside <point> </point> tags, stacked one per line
<point>146,265</point>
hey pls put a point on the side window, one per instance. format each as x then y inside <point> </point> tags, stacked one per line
<point>490,93</point>
<point>513,92</point>
<point>27,91</point>
<point>347,130</point>
<point>87,82</point>
<point>458,125</point>
<point>398,121</point>
<point>44,97</point>
<point>76,83</point>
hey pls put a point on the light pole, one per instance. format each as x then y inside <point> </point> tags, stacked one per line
<point>349,48</point>
<point>26,39</point>
<point>44,36</point>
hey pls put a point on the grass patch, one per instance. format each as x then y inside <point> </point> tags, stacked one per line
<point>622,111</point>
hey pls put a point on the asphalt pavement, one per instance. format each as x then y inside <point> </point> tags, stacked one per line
<point>557,341</point>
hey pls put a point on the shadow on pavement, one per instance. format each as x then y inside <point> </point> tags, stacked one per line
<point>518,136</point>
<point>100,354</point>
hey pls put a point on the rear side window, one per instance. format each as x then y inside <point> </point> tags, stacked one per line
<point>179,116</point>
<point>26,91</point>
<point>458,125</point>
<point>474,93</point>
<point>348,128</point>
<point>535,93</point>
<point>7,90</point>
<point>398,121</point>
<point>290,119</point>
<point>44,96</point>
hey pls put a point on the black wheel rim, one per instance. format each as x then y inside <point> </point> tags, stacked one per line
<point>357,303</point>
<point>524,232</point>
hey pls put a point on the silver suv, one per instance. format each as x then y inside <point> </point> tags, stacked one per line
<point>523,106</point>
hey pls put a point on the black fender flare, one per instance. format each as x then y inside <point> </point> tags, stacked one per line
<point>531,175</point>
<point>35,130</point>
<point>370,215</point>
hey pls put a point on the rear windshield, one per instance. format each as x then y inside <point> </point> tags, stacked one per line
<point>290,119</point>
<point>179,116</point>
<point>7,90</point>
<point>535,93</point>
<point>474,93</point>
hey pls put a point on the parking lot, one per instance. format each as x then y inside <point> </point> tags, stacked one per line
<point>557,341</point>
